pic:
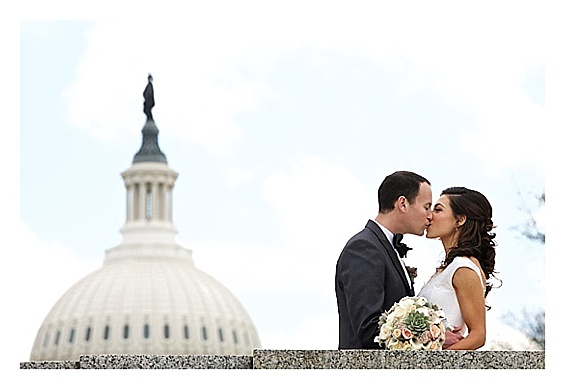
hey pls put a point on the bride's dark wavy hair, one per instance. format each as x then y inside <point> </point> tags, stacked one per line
<point>476,238</point>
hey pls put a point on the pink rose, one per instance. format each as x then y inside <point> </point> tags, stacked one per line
<point>425,337</point>
<point>407,333</point>
<point>435,331</point>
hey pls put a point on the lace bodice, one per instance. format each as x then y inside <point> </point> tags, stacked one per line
<point>439,290</point>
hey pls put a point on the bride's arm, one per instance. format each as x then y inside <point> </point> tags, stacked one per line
<point>469,291</point>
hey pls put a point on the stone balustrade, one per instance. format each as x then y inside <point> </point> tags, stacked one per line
<point>310,359</point>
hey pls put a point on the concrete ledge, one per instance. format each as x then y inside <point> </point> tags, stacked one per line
<point>119,361</point>
<point>380,359</point>
<point>165,362</point>
<point>50,365</point>
<point>310,359</point>
<point>317,359</point>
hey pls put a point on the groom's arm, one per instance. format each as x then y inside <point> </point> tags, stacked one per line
<point>452,337</point>
<point>363,283</point>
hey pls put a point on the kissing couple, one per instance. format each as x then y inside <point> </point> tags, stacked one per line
<point>371,276</point>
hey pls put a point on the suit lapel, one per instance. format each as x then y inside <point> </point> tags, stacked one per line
<point>391,252</point>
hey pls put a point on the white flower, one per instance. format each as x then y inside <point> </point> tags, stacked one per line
<point>424,311</point>
<point>399,312</point>
<point>415,344</point>
<point>406,303</point>
<point>385,332</point>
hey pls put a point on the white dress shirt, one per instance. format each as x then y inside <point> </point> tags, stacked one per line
<point>390,237</point>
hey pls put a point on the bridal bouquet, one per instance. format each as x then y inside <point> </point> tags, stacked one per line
<point>413,323</point>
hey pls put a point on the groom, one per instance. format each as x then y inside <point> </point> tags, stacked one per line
<point>370,276</point>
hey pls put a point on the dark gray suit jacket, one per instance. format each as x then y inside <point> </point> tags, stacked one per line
<point>369,279</point>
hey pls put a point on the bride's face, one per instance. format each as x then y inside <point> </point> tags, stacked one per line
<point>443,221</point>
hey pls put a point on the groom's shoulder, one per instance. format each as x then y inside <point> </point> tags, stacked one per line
<point>371,229</point>
<point>369,233</point>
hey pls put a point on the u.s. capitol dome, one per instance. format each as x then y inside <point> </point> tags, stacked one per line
<point>148,297</point>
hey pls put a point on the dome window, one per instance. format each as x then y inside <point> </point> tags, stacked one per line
<point>87,335</point>
<point>186,332</point>
<point>107,332</point>
<point>57,336</point>
<point>146,331</point>
<point>126,331</point>
<point>204,333</point>
<point>166,331</point>
<point>221,334</point>
<point>72,335</point>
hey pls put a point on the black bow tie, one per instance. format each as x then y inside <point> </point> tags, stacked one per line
<point>400,247</point>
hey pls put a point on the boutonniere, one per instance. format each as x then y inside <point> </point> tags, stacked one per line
<point>412,272</point>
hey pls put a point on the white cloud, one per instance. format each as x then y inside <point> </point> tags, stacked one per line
<point>43,271</point>
<point>312,333</point>
<point>510,132</point>
<point>238,265</point>
<point>540,219</point>
<point>198,90</point>
<point>503,337</point>
<point>215,63</point>
<point>236,176</point>
<point>313,194</point>
<point>319,205</point>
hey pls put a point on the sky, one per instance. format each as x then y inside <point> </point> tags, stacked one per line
<point>282,120</point>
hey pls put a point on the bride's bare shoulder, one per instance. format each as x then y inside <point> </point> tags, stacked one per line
<point>478,264</point>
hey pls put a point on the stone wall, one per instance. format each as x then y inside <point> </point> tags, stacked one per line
<point>310,359</point>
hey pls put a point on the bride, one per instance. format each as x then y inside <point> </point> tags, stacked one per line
<point>462,221</point>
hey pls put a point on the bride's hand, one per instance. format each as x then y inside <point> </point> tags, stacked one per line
<point>452,337</point>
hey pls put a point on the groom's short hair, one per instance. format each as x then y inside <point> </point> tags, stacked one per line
<point>400,183</point>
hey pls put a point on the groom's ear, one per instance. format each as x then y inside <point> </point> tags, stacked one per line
<point>402,203</point>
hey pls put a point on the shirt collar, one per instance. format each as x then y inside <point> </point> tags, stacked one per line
<point>389,235</point>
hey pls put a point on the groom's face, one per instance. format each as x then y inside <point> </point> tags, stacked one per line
<point>419,214</point>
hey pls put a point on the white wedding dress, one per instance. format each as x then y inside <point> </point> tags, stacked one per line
<point>439,291</point>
